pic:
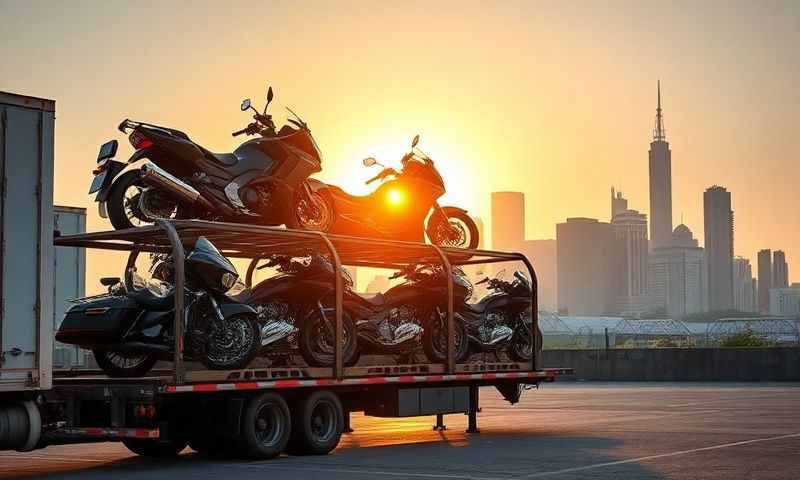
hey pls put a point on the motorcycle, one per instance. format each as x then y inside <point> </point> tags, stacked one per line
<point>399,207</point>
<point>263,181</point>
<point>501,320</point>
<point>130,329</point>
<point>297,307</point>
<point>409,314</point>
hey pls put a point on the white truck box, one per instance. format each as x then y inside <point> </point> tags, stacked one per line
<point>26,242</point>
<point>70,280</point>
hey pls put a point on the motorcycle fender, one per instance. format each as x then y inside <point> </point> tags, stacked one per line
<point>139,154</point>
<point>102,210</point>
<point>231,309</point>
<point>114,168</point>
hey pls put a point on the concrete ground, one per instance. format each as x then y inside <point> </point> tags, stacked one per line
<point>563,431</point>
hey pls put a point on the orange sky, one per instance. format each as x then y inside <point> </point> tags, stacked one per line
<point>557,102</point>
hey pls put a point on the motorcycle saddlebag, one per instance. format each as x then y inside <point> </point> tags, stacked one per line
<point>98,321</point>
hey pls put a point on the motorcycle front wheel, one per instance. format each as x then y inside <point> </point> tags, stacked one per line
<point>316,339</point>
<point>130,204</point>
<point>521,349</point>
<point>434,339</point>
<point>232,344</point>
<point>456,230</point>
<point>314,213</point>
<point>118,364</point>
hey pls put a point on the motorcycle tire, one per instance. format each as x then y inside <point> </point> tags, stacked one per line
<point>518,348</point>
<point>326,214</point>
<point>434,223</point>
<point>116,199</point>
<point>105,360</point>
<point>249,349</point>
<point>432,342</point>
<point>312,333</point>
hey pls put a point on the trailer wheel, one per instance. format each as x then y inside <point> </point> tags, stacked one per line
<point>154,448</point>
<point>266,426</point>
<point>318,422</point>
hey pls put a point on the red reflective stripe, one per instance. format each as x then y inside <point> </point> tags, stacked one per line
<point>246,386</point>
<point>489,375</point>
<point>94,432</point>
<point>205,387</point>
<point>287,383</point>
<point>374,380</point>
<point>141,433</point>
<point>463,376</point>
<point>325,382</point>
<point>434,378</point>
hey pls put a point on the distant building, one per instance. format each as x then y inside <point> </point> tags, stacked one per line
<point>542,254</point>
<point>584,260</point>
<point>629,263</point>
<point>676,276</point>
<point>780,270</point>
<point>764,279</point>
<point>718,219</point>
<point>785,300</point>
<point>618,203</point>
<point>508,220</point>
<point>660,183</point>
<point>744,298</point>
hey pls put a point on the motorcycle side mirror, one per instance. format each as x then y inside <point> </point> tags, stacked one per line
<point>245,104</point>
<point>369,161</point>
<point>269,98</point>
<point>415,141</point>
<point>109,281</point>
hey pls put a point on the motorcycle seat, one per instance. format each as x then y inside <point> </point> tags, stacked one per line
<point>227,159</point>
<point>150,301</point>
<point>376,299</point>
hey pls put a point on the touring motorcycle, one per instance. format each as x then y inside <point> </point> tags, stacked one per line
<point>297,307</point>
<point>263,181</point>
<point>409,314</point>
<point>130,329</point>
<point>399,208</point>
<point>501,320</point>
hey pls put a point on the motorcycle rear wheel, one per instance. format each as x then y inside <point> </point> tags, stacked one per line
<point>125,203</point>
<point>242,333</point>
<point>316,344</point>
<point>117,364</point>
<point>434,341</point>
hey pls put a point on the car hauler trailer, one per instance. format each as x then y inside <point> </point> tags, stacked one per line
<point>213,410</point>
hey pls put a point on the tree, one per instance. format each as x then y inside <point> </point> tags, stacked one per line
<point>746,338</point>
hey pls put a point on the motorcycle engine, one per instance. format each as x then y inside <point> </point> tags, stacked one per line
<point>494,329</point>
<point>256,198</point>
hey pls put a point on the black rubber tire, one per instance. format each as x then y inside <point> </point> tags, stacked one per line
<point>328,205</point>
<point>244,361</point>
<point>320,410</point>
<point>308,335</point>
<point>278,429</point>
<point>115,202</point>
<point>154,448</point>
<point>516,354</point>
<point>101,357</point>
<point>459,214</point>
<point>429,337</point>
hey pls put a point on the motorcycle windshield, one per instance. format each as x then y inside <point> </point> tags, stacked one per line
<point>302,140</point>
<point>522,279</point>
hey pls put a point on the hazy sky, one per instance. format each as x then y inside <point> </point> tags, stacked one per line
<point>555,101</point>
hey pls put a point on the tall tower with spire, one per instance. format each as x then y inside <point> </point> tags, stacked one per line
<point>660,183</point>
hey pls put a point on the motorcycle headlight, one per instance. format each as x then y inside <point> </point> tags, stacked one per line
<point>228,280</point>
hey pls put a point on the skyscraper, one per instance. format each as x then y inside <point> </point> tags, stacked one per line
<point>764,279</point>
<point>508,220</point>
<point>718,220</point>
<point>584,260</point>
<point>618,203</point>
<point>629,263</point>
<point>676,276</point>
<point>660,183</point>
<point>743,297</point>
<point>780,270</point>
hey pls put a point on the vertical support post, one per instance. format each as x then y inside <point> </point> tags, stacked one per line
<point>474,408</point>
<point>347,428</point>
<point>536,353</point>
<point>451,331</point>
<point>440,426</point>
<point>338,293</point>
<point>178,257</point>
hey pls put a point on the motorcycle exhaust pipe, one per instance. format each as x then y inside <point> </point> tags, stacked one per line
<point>157,177</point>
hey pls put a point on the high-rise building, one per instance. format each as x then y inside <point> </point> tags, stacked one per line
<point>780,270</point>
<point>676,276</point>
<point>660,183</point>
<point>508,220</point>
<point>718,219</point>
<point>764,279</point>
<point>785,300</point>
<point>542,254</point>
<point>583,249</point>
<point>743,290</point>
<point>629,263</point>
<point>618,203</point>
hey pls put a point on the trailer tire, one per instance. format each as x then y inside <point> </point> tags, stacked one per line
<point>318,422</point>
<point>154,448</point>
<point>266,426</point>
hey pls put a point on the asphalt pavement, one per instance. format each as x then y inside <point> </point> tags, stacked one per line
<point>562,431</point>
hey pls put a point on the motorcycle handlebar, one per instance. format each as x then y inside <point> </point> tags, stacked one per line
<point>240,132</point>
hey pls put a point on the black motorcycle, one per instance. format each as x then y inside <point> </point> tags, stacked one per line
<point>296,307</point>
<point>263,181</point>
<point>501,320</point>
<point>130,329</point>
<point>409,314</point>
<point>404,207</point>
